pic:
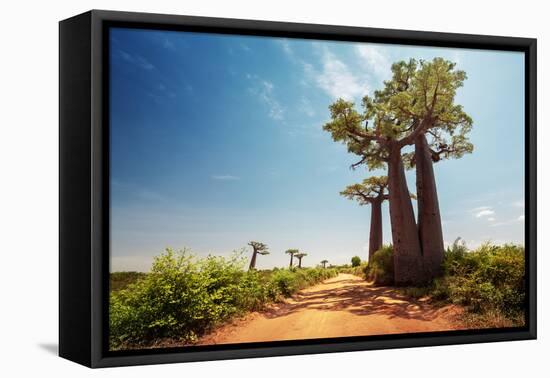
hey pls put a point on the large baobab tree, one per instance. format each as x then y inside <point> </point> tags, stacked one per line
<point>291,252</point>
<point>379,145</point>
<point>372,191</point>
<point>425,98</point>
<point>417,101</point>
<point>300,256</point>
<point>257,249</point>
<point>324,263</point>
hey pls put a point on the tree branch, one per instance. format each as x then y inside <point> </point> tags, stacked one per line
<point>436,155</point>
<point>409,139</point>
<point>356,164</point>
<point>434,99</point>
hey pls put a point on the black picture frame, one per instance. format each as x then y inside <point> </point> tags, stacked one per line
<point>84,189</point>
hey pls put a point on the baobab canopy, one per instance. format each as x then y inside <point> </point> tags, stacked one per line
<point>419,99</point>
<point>371,189</point>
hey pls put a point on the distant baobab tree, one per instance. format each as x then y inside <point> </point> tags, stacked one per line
<point>372,191</point>
<point>300,256</point>
<point>324,263</point>
<point>257,249</point>
<point>291,252</point>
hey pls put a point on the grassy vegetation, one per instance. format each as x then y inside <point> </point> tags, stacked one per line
<point>121,280</point>
<point>380,269</point>
<point>488,281</point>
<point>183,297</point>
<point>359,270</point>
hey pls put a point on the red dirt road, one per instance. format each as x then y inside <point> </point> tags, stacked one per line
<point>342,306</point>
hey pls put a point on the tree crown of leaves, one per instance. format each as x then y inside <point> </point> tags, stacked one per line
<point>371,189</point>
<point>418,99</point>
<point>259,247</point>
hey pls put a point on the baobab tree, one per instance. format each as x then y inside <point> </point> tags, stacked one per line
<point>257,249</point>
<point>372,191</point>
<point>414,103</point>
<point>378,146</point>
<point>300,256</point>
<point>291,252</point>
<point>324,263</point>
<point>425,97</point>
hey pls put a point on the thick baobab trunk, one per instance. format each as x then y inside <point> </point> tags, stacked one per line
<point>291,260</point>
<point>253,261</point>
<point>407,253</point>
<point>300,263</point>
<point>375,237</point>
<point>429,217</point>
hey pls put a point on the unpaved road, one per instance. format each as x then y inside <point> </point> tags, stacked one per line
<point>342,306</point>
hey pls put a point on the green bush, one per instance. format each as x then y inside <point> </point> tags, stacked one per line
<point>380,269</point>
<point>285,282</point>
<point>355,261</point>
<point>360,270</point>
<point>488,279</point>
<point>288,281</point>
<point>182,297</point>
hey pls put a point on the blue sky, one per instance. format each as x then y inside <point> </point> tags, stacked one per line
<point>217,140</point>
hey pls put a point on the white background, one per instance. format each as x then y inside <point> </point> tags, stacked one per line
<point>29,186</point>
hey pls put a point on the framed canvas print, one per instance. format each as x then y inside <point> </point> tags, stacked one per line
<point>234,188</point>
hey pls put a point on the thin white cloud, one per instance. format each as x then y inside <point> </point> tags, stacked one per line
<point>136,60</point>
<point>167,44</point>
<point>266,94</point>
<point>338,78</point>
<point>306,107</point>
<point>479,208</point>
<point>287,49</point>
<point>224,177</point>
<point>520,204</point>
<point>484,213</point>
<point>264,89</point>
<point>373,59</point>
<point>491,219</point>
<point>188,88</point>
<point>521,218</point>
<point>335,77</point>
